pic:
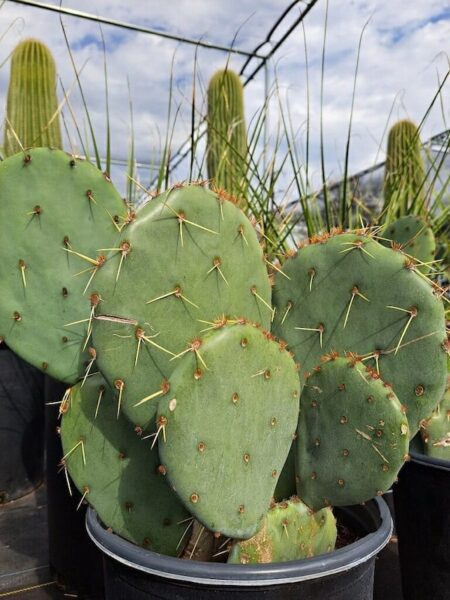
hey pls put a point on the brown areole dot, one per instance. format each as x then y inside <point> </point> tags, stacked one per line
<point>17,316</point>
<point>341,482</point>
<point>343,420</point>
<point>345,452</point>
<point>235,398</point>
<point>419,390</point>
<point>194,498</point>
<point>246,458</point>
<point>244,342</point>
<point>197,374</point>
<point>201,446</point>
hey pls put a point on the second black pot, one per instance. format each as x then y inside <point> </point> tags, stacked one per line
<point>422,507</point>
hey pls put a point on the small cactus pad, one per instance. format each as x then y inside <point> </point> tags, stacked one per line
<point>352,436</point>
<point>117,472</point>
<point>415,238</point>
<point>436,429</point>
<point>227,427</point>
<point>191,257</point>
<point>290,531</point>
<point>348,293</point>
<point>52,206</point>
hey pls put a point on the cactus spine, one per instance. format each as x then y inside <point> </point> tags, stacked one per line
<point>227,135</point>
<point>32,103</point>
<point>404,173</point>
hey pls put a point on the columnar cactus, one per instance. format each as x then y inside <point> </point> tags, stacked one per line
<point>404,175</point>
<point>31,108</point>
<point>227,135</point>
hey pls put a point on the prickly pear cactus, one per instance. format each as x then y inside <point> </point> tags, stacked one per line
<point>226,427</point>
<point>189,258</point>
<point>352,435</point>
<point>348,293</point>
<point>31,107</point>
<point>56,212</point>
<point>290,531</point>
<point>436,429</point>
<point>414,237</point>
<point>227,134</point>
<point>117,472</point>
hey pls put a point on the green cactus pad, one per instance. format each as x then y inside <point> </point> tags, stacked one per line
<point>227,427</point>
<point>290,531</point>
<point>351,294</point>
<point>436,429</point>
<point>352,435</point>
<point>193,257</point>
<point>117,472</point>
<point>415,238</point>
<point>50,206</point>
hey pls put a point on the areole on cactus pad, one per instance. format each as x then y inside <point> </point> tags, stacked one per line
<point>348,293</point>
<point>191,257</point>
<point>56,212</point>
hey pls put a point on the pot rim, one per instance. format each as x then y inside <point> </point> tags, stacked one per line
<point>222,574</point>
<point>429,461</point>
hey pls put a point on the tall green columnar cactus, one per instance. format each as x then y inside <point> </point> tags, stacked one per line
<point>404,172</point>
<point>227,135</point>
<point>32,103</point>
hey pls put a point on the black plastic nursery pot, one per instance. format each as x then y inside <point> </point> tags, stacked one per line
<point>74,560</point>
<point>422,506</point>
<point>132,573</point>
<point>21,426</point>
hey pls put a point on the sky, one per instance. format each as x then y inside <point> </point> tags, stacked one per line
<point>404,55</point>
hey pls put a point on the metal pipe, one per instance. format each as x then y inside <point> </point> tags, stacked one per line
<point>91,17</point>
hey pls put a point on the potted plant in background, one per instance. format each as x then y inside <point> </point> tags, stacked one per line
<point>423,524</point>
<point>171,295</point>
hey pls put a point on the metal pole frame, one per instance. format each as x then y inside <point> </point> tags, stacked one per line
<point>181,153</point>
